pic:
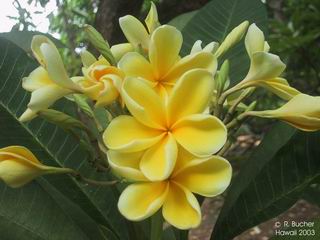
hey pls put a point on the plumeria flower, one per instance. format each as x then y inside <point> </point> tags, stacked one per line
<point>158,126</point>
<point>265,68</point>
<point>208,177</point>
<point>302,112</point>
<point>18,166</point>
<point>49,82</point>
<point>101,81</point>
<point>164,66</point>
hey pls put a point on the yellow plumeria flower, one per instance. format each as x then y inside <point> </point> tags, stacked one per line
<point>136,33</point>
<point>302,112</point>
<point>205,176</point>
<point>49,82</point>
<point>165,67</point>
<point>265,68</point>
<point>159,125</point>
<point>18,166</point>
<point>101,82</point>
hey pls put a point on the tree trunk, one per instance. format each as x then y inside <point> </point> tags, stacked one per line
<point>108,14</point>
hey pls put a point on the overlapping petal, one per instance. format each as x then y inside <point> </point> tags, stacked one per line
<point>37,78</point>
<point>165,45</point>
<point>141,200</point>
<point>126,164</point>
<point>195,87</point>
<point>144,103</point>
<point>208,177</point>
<point>200,134</point>
<point>203,60</point>
<point>158,161</point>
<point>126,134</point>
<point>134,31</point>
<point>181,208</point>
<point>135,65</point>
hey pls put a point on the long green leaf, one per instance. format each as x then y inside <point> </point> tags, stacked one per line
<point>50,144</point>
<point>271,181</point>
<point>215,20</point>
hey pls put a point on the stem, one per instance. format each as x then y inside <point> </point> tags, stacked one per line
<point>234,107</point>
<point>95,182</point>
<point>237,120</point>
<point>223,98</point>
<point>156,226</point>
<point>225,148</point>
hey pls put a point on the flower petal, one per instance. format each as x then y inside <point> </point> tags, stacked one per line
<point>254,40</point>
<point>48,55</point>
<point>119,50</point>
<point>135,65</point>
<point>16,174</point>
<point>264,66</point>
<point>37,78</point>
<point>280,87</point>
<point>87,58</point>
<point>126,134</point>
<point>181,208</point>
<point>43,98</point>
<point>140,201</point>
<point>143,102</point>
<point>151,20</point>
<point>19,152</point>
<point>126,164</point>
<point>208,177</point>
<point>158,161</point>
<point>196,87</point>
<point>209,129</point>
<point>203,60</point>
<point>134,31</point>
<point>108,94</point>
<point>164,49</point>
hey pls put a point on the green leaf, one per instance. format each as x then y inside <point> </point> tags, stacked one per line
<point>181,21</point>
<point>271,181</point>
<point>215,20</point>
<point>31,213</point>
<point>51,145</point>
<point>23,38</point>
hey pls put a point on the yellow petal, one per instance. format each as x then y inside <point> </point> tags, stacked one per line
<point>140,201</point>
<point>264,66</point>
<point>134,31</point>
<point>202,60</point>
<point>15,174</point>
<point>208,177</point>
<point>119,50</point>
<point>164,49</point>
<point>181,208</point>
<point>126,164</point>
<point>195,86</point>
<point>28,115</point>
<point>126,134</point>
<point>44,97</point>
<point>37,78</point>
<point>280,87</point>
<point>135,65</point>
<point>302,112</point>
<point>48,55</point>
<point>108,94</point>
<point>87,58</point>
<point>151,20</point>
<point>19,152</point>
<point>254,40</point>
<point>189,130</point>
<point>183,158</point>
<point>144,103</point>
<point>158,161</point>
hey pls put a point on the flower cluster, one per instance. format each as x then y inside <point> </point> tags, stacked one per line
<point>181,112</point>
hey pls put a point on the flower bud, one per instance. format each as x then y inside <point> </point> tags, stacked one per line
<point>18,166</point>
